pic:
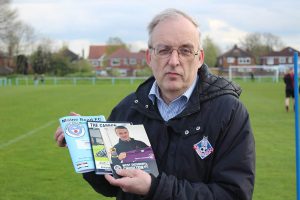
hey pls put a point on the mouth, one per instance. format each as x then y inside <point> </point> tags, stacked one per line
<point>172,74</point>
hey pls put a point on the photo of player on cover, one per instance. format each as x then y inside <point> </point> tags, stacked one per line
<point>129,147</point>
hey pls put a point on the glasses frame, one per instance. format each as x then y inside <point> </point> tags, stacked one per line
<point>171,51</point>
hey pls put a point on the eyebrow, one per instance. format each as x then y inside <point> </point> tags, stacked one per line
<point>187,45</point>
<point>183,45</point>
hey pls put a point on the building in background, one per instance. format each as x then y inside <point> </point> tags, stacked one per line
<point>283,57</point>
<point>108,58</point>
<point>235,57</point>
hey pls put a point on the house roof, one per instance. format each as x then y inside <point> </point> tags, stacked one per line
<point>120,53</point>
<point>71,55</point>
<point>96,51</point>
<point>236,52</point>
<point>124,53</point>
<point>139,55</point>
<point>287,51</point>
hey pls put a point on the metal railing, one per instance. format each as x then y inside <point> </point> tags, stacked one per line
<point>68,81</point>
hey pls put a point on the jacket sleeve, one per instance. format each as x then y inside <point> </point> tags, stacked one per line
<point>233,169</point>
<point>100,185</point>
<point>98,182</point>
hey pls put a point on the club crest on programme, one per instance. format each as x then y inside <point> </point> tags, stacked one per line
<point>203,148</point>
<point>75,130</point>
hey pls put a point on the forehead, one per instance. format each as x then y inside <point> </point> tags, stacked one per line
<point>121,130</point>
<point>175,31</point>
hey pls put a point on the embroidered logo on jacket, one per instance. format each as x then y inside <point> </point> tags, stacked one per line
<point>203,148</point>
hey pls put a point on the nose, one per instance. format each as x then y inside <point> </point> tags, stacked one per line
<point>174,58</point>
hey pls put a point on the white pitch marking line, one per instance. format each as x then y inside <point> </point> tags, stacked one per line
<point>17,139</point>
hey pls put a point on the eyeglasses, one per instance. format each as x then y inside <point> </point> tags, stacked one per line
<point>184,52</point>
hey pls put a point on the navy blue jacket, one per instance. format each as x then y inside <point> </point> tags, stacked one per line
<point>213,111</point>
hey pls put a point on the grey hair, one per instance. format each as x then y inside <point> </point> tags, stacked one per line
<point>167,14</point>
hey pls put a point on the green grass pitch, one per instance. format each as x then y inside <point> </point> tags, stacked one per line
<point>33,167</point>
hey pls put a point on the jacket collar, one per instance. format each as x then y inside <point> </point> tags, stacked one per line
<point>208,87</point>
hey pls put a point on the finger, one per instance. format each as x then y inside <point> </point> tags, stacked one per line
<point>126,172</point>
<point>74,114</point>
<point>110,179</point>
<point>61,140</point>
<point>58,132</point>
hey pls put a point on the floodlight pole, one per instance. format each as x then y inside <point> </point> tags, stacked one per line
<point>296,94</point>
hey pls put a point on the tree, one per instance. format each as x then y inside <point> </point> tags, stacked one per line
<point>211,51</point>
<point>14,34</point>
<point>7,17</point>
<point>114,43</point>
<point>60,65</point>
<point>18,37</point>
<point>259,44</point>
<point>145,72</point>
<point>114,72</point>
<point>40,60</point>
<point>82,66</point>
<point>22,64</point>
<point>23,38</point>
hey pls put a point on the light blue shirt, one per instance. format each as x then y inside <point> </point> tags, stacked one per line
<point>176,106</point>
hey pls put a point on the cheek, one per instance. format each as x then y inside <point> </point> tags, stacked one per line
<point>156,67</point>
<point>190,73</point>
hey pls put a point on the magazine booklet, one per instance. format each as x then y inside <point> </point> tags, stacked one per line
<point>101,161</point>
<point>128,147</point>
<point>78,141</point>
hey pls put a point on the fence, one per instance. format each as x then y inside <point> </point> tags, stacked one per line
<point>26,81</point>
<point>69,81</point>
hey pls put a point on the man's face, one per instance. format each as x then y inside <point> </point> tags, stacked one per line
<point>176,73</point>
<point>123,134</point>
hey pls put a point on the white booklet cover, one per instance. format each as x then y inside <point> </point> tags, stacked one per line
<point>78,141</point>
<point>101,160</point>
<point>128,147</point>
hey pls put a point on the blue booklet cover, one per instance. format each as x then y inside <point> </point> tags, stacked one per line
<point>78,141</point>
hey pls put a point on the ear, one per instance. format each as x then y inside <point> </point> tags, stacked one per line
<point>148,56</point>
<point>201,57</point>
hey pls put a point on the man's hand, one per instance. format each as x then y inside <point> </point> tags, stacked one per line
<point>59,134</point>
<point>122,155</point>
<point>133,180</point>
<point>60,137</point>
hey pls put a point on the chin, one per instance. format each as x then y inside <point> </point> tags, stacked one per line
<point>173,88</point>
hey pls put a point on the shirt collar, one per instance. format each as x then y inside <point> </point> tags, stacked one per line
<point>154,92</point>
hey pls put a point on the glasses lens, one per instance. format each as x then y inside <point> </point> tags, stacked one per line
<point>163,51</point>
<point>166,51</point>
<point>185,51</point>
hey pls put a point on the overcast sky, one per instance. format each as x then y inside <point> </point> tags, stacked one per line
<point>80,23</point>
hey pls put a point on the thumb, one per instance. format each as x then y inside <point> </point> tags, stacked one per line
<point>121,172</point>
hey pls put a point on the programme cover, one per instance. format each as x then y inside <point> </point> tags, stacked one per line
<point>128,147</point>
<point>102,164</point>
<point>78,141</point>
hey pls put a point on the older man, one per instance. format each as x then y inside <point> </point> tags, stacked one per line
<point>199,131</point>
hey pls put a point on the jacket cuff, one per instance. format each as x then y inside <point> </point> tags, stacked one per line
<point>153,186</point>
